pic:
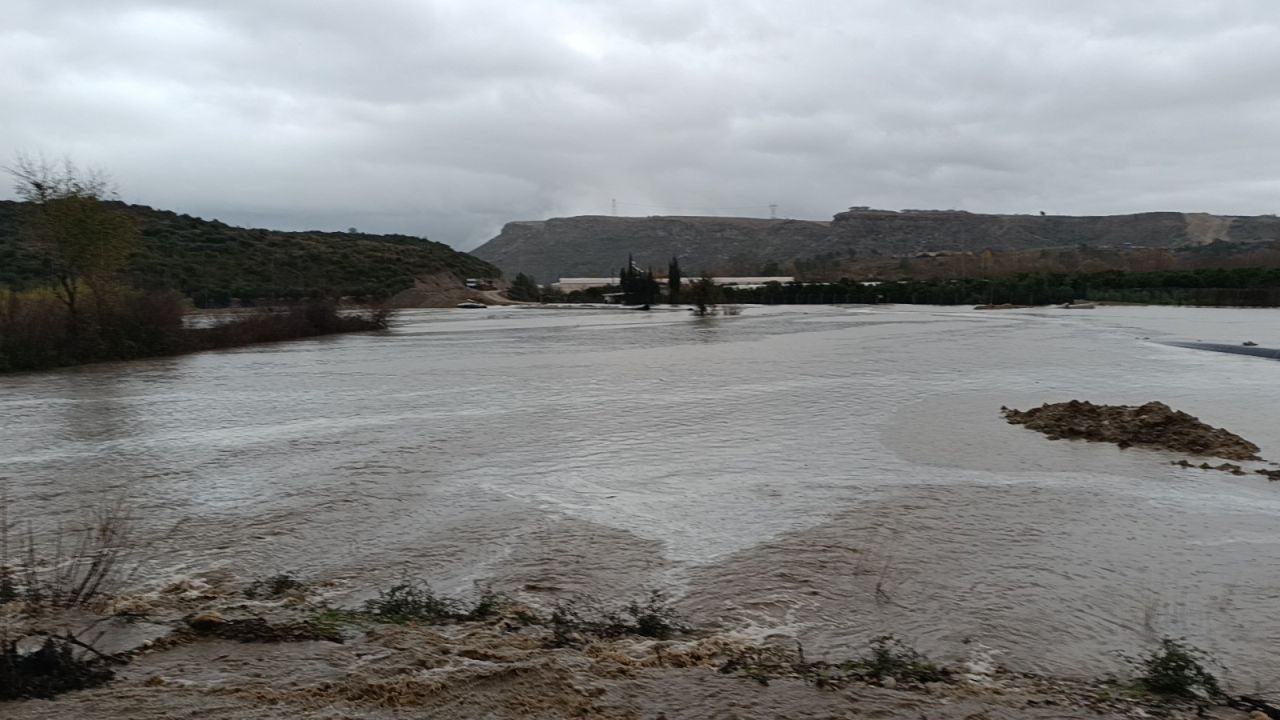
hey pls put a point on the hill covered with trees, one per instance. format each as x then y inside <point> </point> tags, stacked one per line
<point>213,262</point>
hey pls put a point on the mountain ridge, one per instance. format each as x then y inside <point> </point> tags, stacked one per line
<point>591,245</point>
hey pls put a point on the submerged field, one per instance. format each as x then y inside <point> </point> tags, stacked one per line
<point>819,474</point>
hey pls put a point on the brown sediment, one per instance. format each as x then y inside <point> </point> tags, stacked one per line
<point>1154,425</point>
<point>505,668</point>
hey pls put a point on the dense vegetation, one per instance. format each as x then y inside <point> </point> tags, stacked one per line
<point>212,262</point>
<point>1222,287</point>
<point>87,289</point>
<point>37,331</point>
<point>524,288</point>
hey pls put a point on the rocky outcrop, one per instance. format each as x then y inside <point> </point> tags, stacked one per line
<point>594,245</point>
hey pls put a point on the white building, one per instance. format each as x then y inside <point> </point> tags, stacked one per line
<point>586,283</point>
<point>583,283</point>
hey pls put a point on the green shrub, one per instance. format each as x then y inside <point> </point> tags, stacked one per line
<point>892,658</point>
<point>653,617</point>
<point>1175,668</point>
<point>415,601</point>
<point>411,601</point>
<point>488,605</point>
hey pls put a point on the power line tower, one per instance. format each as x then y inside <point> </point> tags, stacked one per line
<point>773,211</point>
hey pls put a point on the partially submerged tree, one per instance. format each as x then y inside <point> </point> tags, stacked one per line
<point>704,294</point>
<point>673,281</point>
<point>84,240</point>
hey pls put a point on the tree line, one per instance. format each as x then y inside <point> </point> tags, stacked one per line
<point>1243,287</point>
<point>1222,287</point>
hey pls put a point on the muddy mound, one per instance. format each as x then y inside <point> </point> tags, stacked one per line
<point>1152,425</point>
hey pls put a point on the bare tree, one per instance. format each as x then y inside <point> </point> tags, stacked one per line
<point>39,180</point>
<point>69,223</point>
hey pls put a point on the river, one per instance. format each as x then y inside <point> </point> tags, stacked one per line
<point>826,473</point>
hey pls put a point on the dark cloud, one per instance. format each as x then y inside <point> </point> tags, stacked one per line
<point>449,118</point>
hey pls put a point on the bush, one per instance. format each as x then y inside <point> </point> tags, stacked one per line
<point>411,601</point>
<point>318,317</point>
<point>51,670</point>
<point>488,605</point>
<point>892,658</point>
<point>1175,669</point>
<point>38,332</point>
<point>414,601</point>
<point>652,618</point>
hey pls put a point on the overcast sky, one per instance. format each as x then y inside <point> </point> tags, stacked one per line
<point>448,118</point>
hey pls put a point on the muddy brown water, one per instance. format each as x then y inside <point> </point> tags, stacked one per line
<point>824,473</point>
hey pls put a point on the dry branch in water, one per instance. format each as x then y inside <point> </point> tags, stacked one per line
<point>86,562</point>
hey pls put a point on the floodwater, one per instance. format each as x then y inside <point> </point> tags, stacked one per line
<point>825,473</point>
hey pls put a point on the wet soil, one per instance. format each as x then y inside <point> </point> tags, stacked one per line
<point>506,667</point>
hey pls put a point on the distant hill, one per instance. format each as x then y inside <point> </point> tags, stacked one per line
<point>596,245</point>
<point>212,261</point>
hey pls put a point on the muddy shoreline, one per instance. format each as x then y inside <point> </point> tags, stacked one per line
<point>210,648</point>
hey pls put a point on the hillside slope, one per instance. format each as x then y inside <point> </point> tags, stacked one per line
<point>212,261</point>
<point>594,245</point>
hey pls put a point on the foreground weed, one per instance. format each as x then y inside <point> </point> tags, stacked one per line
<point>415,601</point>
<point>653,617</point>
<point>1176,669</point>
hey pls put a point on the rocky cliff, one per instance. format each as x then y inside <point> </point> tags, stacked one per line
<point>595,245</point>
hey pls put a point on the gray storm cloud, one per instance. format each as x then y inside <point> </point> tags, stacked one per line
<point>447,119</point>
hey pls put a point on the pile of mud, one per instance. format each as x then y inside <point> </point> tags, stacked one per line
<point>1153,425</point>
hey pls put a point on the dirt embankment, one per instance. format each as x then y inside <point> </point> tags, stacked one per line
<point>1154,425</point>
<point>443,290</point>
